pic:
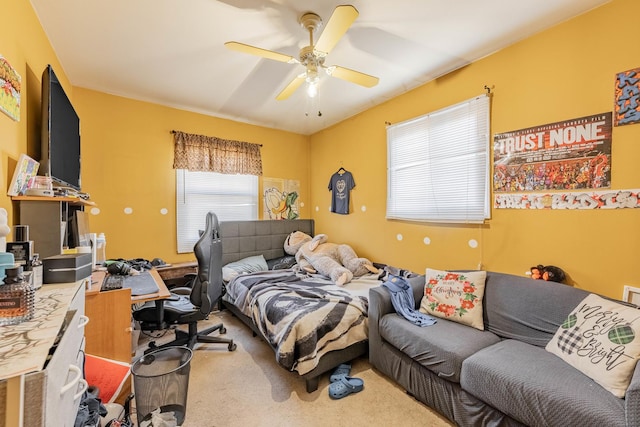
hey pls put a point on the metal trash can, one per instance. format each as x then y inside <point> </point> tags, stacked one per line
<point>161,380</point>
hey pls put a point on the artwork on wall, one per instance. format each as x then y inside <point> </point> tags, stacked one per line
<point>568,155</point>
<point>281,198</point>
<point>627,103</point>
<point>9,90</point>
<point>608,199</point>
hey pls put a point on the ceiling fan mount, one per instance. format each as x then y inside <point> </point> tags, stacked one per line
<point>313,56</point>
<point>311,22</point>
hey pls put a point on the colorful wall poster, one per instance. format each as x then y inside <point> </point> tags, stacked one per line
<point>627,105</point>
<point>280,198</point>
<point>607,199</point>
<point>9,90</point>
<point>567,155</point>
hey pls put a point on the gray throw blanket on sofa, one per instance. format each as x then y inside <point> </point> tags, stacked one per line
<point>403,302</point>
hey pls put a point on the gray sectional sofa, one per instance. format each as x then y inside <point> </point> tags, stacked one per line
<point>502,376</point>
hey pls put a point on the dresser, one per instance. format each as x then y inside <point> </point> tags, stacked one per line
<point>41,360</point>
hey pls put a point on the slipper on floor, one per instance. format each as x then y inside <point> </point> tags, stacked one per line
<point>341,371</point>
<point>345,386</point>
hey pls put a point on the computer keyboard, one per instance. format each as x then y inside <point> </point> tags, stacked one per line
<point>111,282</point>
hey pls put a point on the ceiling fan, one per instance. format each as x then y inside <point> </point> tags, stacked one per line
<point>312,57</point>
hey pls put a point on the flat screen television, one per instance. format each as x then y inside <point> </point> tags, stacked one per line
<point>60,134</point>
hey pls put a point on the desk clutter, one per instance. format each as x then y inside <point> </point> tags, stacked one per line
<point>140,284</point>
<point>132,274</point>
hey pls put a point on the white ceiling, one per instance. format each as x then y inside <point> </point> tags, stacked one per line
<point>171,52</point>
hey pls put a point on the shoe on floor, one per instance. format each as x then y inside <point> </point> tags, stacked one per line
<point>341,371</point>
<point>345,386</point>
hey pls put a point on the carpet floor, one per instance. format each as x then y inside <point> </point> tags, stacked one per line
<point>247,387</point>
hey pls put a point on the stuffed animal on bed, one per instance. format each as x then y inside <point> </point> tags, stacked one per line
<point>315,254</point>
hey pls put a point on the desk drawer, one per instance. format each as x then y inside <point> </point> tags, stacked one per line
<point>64,376</point>
<point>52,396</point>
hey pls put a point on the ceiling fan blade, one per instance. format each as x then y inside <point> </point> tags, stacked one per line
<point>269,54</point>
<point>291,87</point>
<point>340,21</point>
<point>352,76</point>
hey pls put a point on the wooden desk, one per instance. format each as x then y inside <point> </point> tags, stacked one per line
<point>177,270</point>
<point>108,333</point>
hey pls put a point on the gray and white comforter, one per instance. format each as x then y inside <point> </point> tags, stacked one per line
<point>302,319</point>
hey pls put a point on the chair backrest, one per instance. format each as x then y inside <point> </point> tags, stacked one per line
<point>207,287</point>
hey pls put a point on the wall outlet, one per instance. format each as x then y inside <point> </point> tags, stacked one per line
<point>631,294</point>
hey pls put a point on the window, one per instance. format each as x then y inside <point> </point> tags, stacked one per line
<point>438,165</point>
<point>231,197</point>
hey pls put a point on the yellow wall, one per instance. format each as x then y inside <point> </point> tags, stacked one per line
<point>127,158</point>
<point>25,46</point>
<point>565,72</point>
<point>126,149</point>
<point>562,73</point>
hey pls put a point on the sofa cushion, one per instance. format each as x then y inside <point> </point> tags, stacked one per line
<point>456,296</point>
<point>600,338</point>
<point>441,347</point>
<point>537,388</point>
<point>508,302</point>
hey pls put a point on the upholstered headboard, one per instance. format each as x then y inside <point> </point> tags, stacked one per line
<point>241,239</point>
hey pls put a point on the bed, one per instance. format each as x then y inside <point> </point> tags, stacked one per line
<point>311,324</point>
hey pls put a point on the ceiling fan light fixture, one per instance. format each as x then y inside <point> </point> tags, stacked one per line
<point>312,88</point>
<point>312,56</point>
<point>312,80</point>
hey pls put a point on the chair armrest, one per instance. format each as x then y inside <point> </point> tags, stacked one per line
<point>632,399</point>
<point>380,305</point>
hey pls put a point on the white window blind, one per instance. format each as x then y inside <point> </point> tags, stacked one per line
<point>231,197</point>
<point>438,165</point>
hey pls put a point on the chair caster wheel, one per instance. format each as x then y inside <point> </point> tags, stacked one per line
<point>151,347</point>
<point>223,330</point>
<point>232,346</point>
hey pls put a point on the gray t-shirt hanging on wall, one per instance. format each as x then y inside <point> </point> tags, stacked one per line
<point>340,186</point>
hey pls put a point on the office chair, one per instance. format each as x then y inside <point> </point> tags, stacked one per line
<point>190,305</point>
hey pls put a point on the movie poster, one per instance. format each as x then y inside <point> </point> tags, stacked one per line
<point>568,155</point>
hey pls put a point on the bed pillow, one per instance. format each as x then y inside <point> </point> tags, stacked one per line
<point>455,296</point>
<point>250,264</point>
<point>600,338</point>
<point>281,263</point>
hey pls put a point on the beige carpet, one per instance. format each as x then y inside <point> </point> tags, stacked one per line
<point>248,388</point>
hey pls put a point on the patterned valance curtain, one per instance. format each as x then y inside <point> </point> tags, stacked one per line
<point>211,154</point>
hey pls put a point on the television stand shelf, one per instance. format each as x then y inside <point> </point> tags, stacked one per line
<point>49,220</point>
<point>70,200</point>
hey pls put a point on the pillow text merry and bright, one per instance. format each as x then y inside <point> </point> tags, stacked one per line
<point>601,339</point>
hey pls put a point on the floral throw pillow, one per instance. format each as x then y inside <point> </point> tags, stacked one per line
<point>455,296</point>
<point>601,338</point>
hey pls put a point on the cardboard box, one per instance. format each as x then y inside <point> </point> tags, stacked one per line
<point>66,268</point>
